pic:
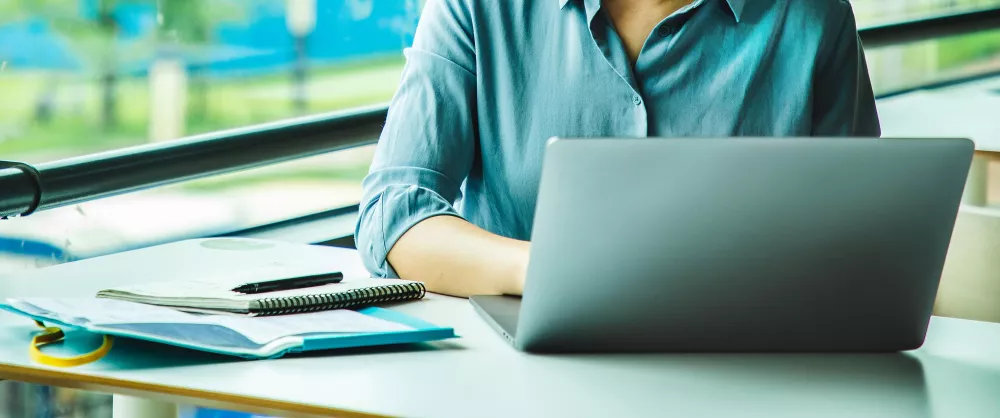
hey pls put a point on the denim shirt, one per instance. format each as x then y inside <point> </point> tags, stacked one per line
<point>488,82</point>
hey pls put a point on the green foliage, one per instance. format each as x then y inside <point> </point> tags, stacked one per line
<point>187,22</point>
<point>185,19</point>
<point>12,10</point>
<point>192,21</point>
<point>954,52</point>
<point>231,103</point>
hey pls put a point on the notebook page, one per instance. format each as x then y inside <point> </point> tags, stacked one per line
<point>109,312</point>
<point>269,328</point>
<point>188,289</point>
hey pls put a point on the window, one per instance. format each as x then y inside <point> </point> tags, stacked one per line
<point>101,74</point>
<point>902,67</point>
<point>879,12</point>
<point>95,75</point>
<point>898,68</point>
<point>84,76</point>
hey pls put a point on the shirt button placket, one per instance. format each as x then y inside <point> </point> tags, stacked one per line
<point>640,116</point>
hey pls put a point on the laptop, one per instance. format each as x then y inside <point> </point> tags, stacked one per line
<point>735,245</point>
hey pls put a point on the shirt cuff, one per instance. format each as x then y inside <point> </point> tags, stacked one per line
<point>388,216</point>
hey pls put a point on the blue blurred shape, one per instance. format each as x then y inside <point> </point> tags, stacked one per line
<point>256,42</point>
<point>32,248</point>
<point>218,413</point>
<point>31,43</point>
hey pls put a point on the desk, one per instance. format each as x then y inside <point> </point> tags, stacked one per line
<point>957,373</point>
<point>966,112</point>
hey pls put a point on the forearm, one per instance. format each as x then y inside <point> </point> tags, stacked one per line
<point>454,257</point>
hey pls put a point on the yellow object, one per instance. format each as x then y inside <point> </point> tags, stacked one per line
<point>50,335</point>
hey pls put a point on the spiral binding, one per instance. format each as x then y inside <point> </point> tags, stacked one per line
<point>354,298</point>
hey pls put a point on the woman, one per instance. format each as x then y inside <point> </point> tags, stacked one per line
<point>488,82</point>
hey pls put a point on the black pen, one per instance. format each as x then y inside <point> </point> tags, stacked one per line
<point>290,283</point>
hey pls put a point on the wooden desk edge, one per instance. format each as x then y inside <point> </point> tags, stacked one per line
<point>993,155</point>
<point>173,394</point>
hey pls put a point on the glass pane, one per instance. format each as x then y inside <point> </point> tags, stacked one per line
<point>902,67</point>
<point>94,75</point>
<point>877,12</point>
<point>100,74</point>
<point>191,209</point>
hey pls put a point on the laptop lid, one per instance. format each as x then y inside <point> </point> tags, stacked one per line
<point>740,244</point>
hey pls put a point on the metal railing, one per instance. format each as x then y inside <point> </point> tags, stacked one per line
<point>75,180</point>
<point>100,175</point>
<point>930,28</point>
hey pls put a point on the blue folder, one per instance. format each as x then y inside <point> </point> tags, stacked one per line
<point>218,339</point>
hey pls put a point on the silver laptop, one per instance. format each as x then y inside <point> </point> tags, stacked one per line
<point>736,245</point>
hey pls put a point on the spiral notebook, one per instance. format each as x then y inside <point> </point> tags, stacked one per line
<point>236,335</point>
<point>213,296</point>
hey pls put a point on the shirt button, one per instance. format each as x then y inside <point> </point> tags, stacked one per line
<point>637,100</point>
<point>665,30</point>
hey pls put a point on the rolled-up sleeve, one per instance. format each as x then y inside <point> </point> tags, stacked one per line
<point>426,147</point>
<point>844,103</point>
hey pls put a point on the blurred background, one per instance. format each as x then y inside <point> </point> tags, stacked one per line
<point>84,76</point>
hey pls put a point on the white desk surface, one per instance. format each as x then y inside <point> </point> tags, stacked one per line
<point>956,374</point>
<point>947,113</point>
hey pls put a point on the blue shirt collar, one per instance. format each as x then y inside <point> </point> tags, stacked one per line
<point>735,6</point>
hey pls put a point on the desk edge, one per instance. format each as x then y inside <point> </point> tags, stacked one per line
<point>174,394</point>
